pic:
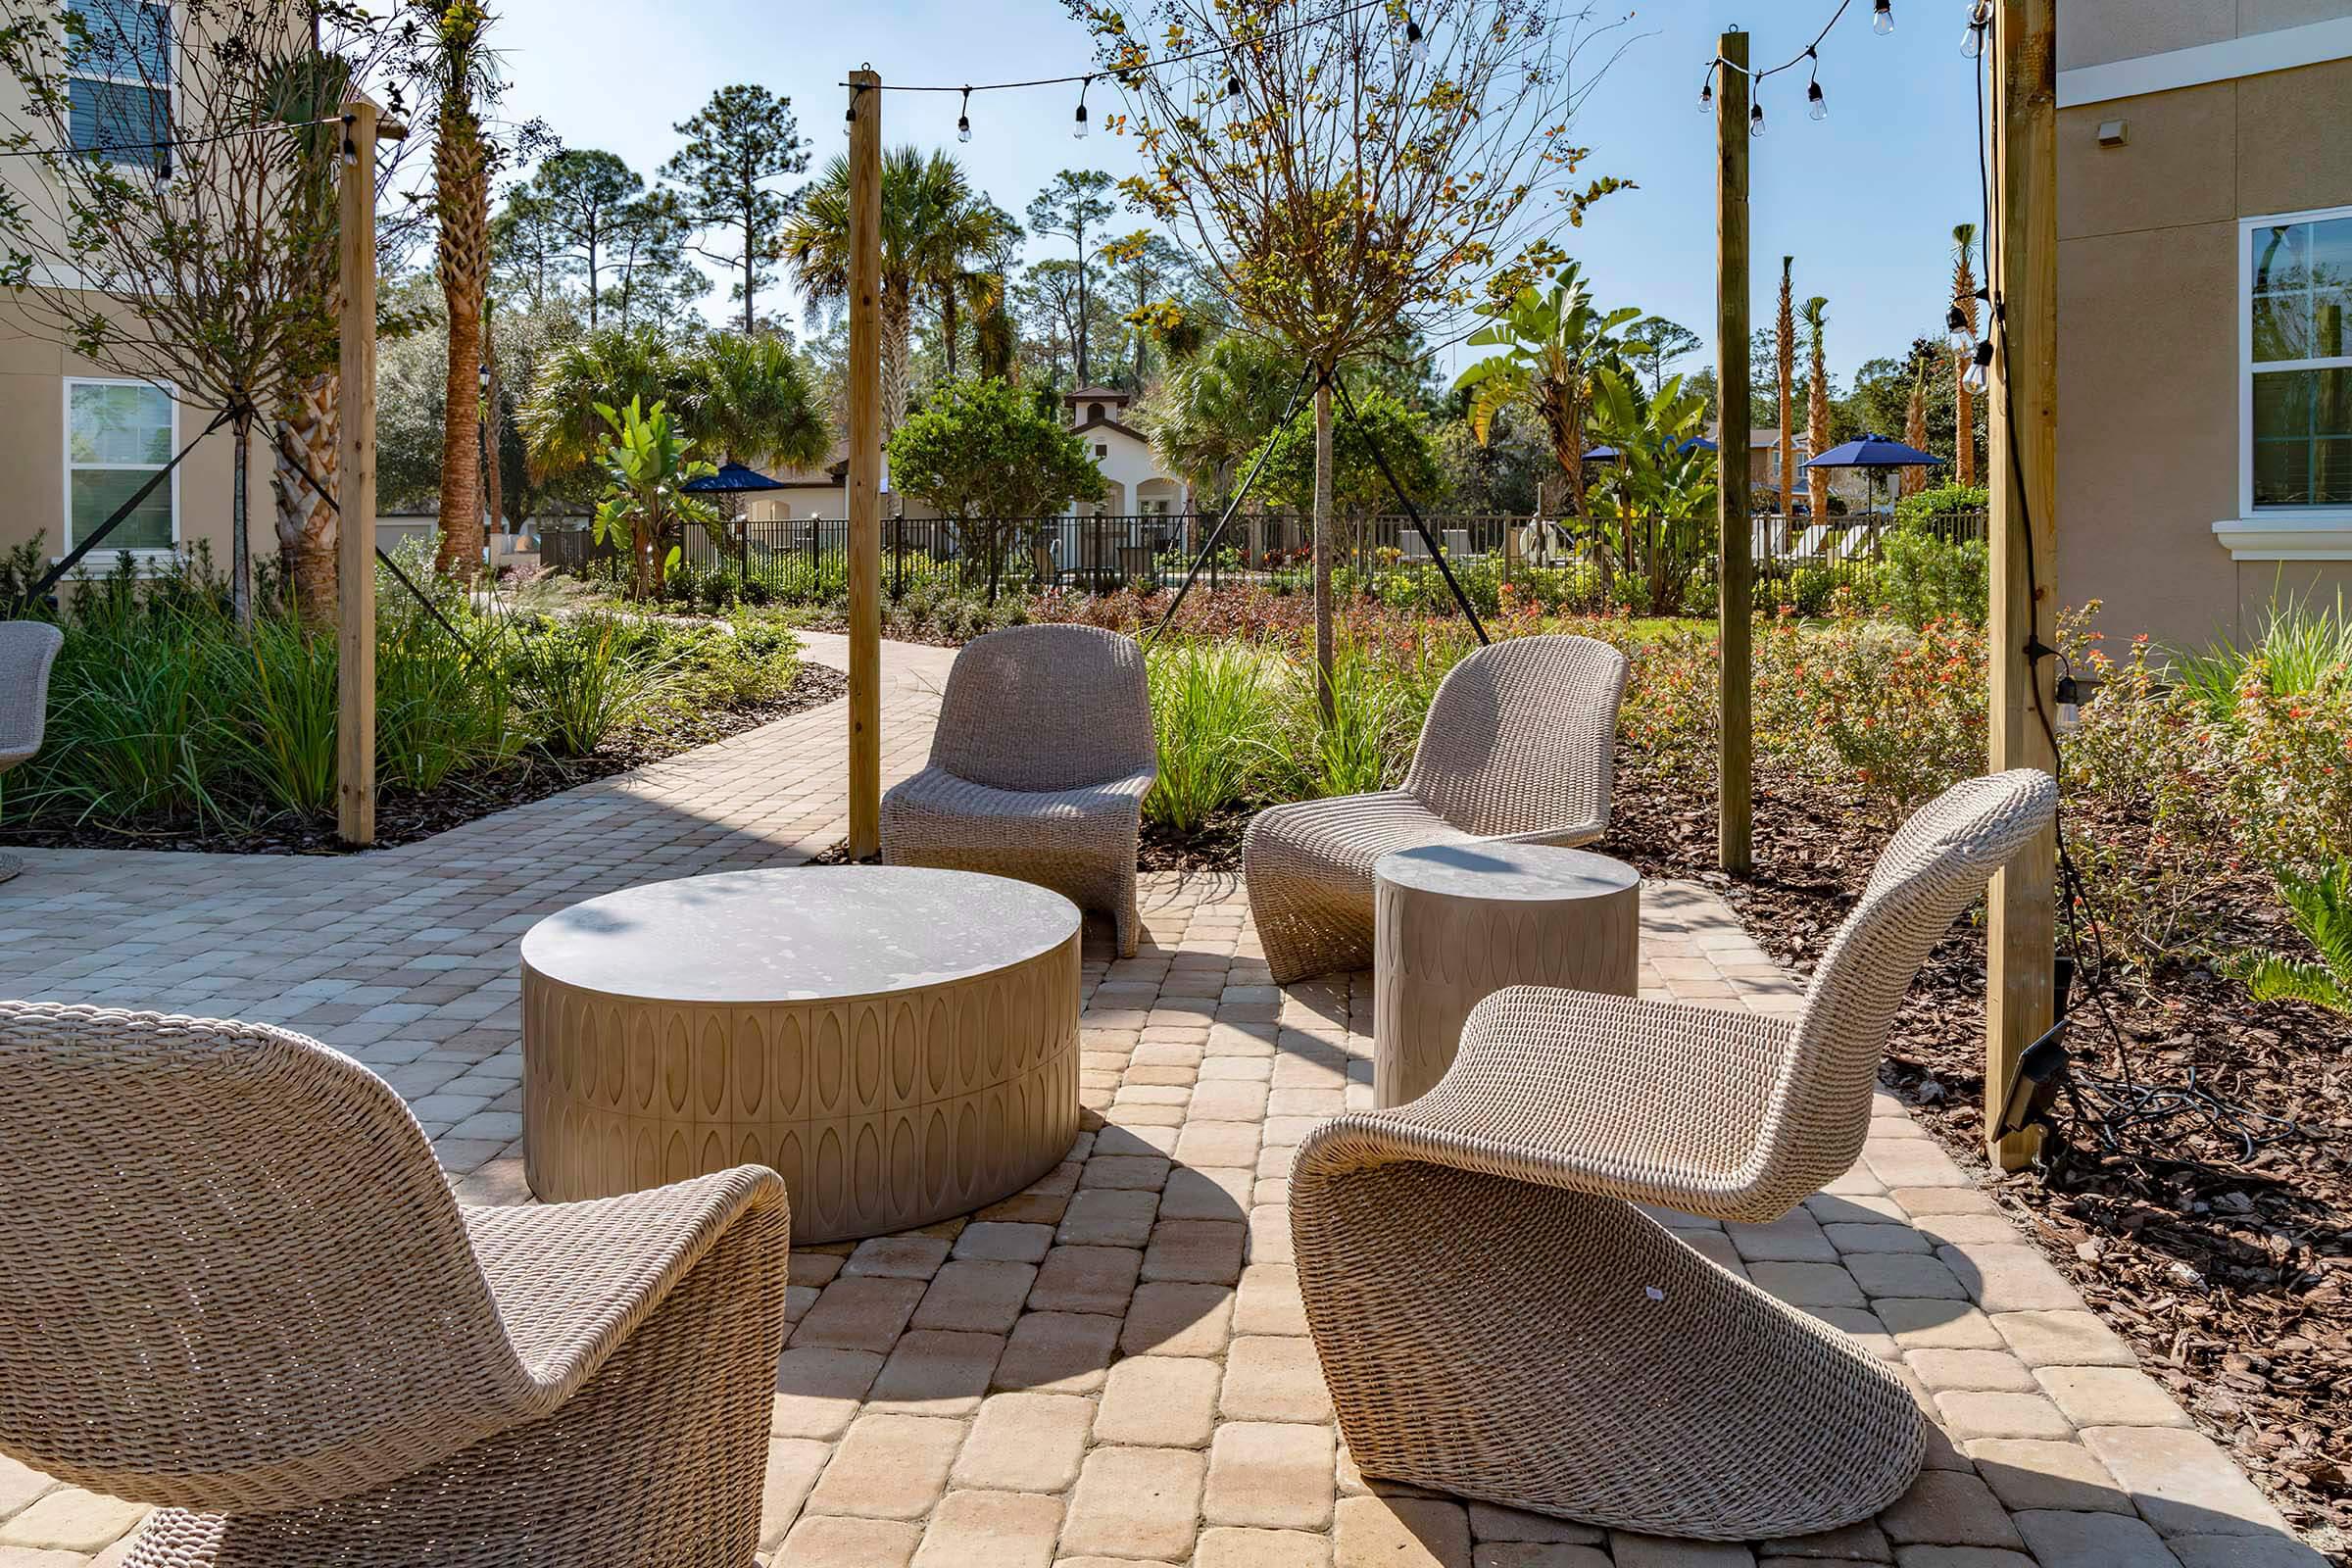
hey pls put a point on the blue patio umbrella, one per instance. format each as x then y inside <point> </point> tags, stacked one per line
<point>1874,453</point>
<point>732,480</point>
<point>1602,455</point>
<point>1698,443</point>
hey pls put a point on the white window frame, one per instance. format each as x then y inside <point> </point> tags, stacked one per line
<point>2274,533</point>
<point>171,163</point>
<point>67,465</point>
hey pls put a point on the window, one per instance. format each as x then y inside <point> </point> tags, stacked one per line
<point>1102,449</point>
<point>2299,371</point>
<point>118,434</point>
<point>118,78</point>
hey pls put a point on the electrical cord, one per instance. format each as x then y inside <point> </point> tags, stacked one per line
<point>2126,1116</point>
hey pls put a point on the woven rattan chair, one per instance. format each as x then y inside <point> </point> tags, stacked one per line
<point>1038,767</point>
<point>233,1282</point>
<point>1495,1317</point>
<point>1518,745</point>
<point>27,648</point>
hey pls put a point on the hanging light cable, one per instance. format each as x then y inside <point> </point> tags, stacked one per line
<point>1816,103</point>
<point>1078,126</point>
<point>1971,42</point>
<point>1755,118</point>
<point>963,121</point>
<point>1706,88</point>
<point>1416,44</point>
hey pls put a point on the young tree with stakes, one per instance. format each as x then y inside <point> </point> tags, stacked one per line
<point>1817,404</point>
<point>736,144</point>
<point>196,253</point>
<point>1964,299</point>
<point>1353,175</point>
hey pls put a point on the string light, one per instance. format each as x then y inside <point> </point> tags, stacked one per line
<point>1817,102</point>
<point>1971,42</point>
<point>1956,333</point>
<point>1979,368</point>
<point>1416,45</point>
<point>1078,127</point>
<point>963,121</point>
<point>1233,82</point>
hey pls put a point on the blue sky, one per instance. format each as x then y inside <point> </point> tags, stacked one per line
<point>1864,199</point>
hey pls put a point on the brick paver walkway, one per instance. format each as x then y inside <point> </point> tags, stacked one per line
<point>1111,1370</point>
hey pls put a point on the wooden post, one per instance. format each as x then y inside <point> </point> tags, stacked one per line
<point>2023,258</point>
<point>865,465</point>
<point>1735,533</point>
<point>355,521</point>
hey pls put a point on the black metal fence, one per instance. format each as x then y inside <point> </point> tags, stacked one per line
<point>806,559</point>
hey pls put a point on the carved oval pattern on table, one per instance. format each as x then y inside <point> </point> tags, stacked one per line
<point>881,1112</point>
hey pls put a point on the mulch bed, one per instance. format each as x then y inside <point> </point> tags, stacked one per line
<point>402,816</point>
<point>2230,1275</point>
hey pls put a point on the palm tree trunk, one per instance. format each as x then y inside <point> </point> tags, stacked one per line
<point>1325,693</point>
<point>461,178</point>
<point>307,450</point>
<point>946,323</point>
<point>896,358</point>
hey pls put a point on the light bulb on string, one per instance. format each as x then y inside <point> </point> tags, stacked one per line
<point>1817,105</point>
<point>1706,93</point>
<point>1979,368</point>
<point>1755,120</point>
<point>1233,82</point>
<point>1882,18</point>
<point>1972,40</point>
<point>1078,126</point>
<point>1416,44</point>
<point>963,120</point>
<point>1956,333</point>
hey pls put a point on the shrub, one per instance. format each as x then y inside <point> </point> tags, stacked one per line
<point>1923,576</point>
<point>1211,710</point>
<point>584,682</point>
<point>1942,500</point>
<point>2321,910</point>
<point>281,731</point>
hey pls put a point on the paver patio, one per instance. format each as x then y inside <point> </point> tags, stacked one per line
<point>1111,1370</point>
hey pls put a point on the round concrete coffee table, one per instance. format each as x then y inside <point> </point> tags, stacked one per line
<point>900,1043</point>
<point>1454,923</point>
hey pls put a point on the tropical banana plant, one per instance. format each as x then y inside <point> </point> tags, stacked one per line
<point>1549,342</point>
<point>2321,910</point>
<point>1661,487</point>
<point>646,471</point>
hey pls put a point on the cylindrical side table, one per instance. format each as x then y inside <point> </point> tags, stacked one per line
<point>1456,922</point>
<point>900,1044</point>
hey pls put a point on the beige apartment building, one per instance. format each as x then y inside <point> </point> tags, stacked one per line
<point>77,440</point>
<point>2205,311</point>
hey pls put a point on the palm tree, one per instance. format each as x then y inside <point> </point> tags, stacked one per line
<point>561,430</point>
<point>1212,410</point>
<point>1963,407</point>
<point>463,75</point>
<point>1784,350</point>
<point>1817,404</point>
<point>747,401</point>
<point>1550,343</point>
<point>933,227</point>
<point>1914,432</point>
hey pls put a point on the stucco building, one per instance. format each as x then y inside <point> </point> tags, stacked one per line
<point>2205,280</point>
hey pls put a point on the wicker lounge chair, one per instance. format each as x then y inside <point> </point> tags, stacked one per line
<point>1495,1317</point>
<point>1039,768</point>
<point>233,1282</point>
<point>1518,745</point>
<point>27,648</point>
